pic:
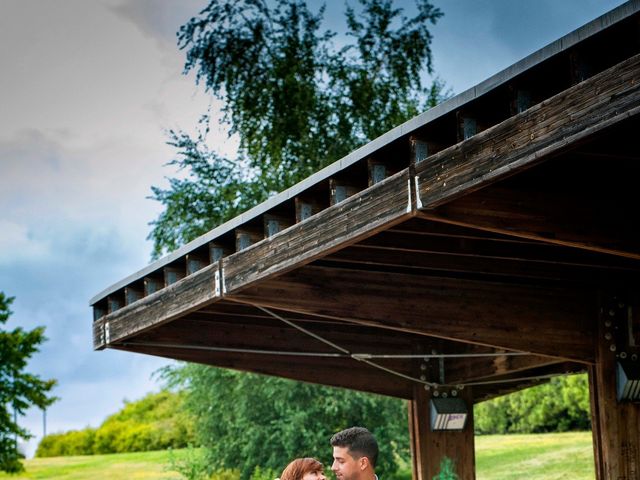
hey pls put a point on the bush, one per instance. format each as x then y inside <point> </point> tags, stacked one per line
<point>157,421</point>
<point>560,405</point>
<point>74,442</point>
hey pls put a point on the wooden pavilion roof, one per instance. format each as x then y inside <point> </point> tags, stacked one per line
<point>467,246</point>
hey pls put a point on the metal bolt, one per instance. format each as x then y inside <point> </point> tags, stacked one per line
<point>423,377</point>
<point>623,354</point>
<point>607,335</point>
<point>634,357</point>
<point>620,305</point>
<point>454,393</point>
<point>612,312</point>
<point>423,366</point>
<point>607,323</point>
<point>427,388</point>
<point>436,393</point>
<point>612,347</point>
<point>460,387</point>
<point>444,395</point>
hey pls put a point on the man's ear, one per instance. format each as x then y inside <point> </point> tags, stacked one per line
<point>363,462</point>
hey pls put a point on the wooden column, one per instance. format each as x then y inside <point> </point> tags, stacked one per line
<point>616,425</point>
<point>429,449</point>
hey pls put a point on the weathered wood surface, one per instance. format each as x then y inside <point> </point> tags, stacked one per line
<point>616,426</point>
<point>462,370</point>
<point>338,372</point>
<point>576,218</point>
<point>549,321</point>
<point>188,294</point>
<point>430,448</point>
<point>459,258</point>
<point>521,141</point>
<point>361,215</point>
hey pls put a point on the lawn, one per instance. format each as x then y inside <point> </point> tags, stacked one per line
<point>566,456</point>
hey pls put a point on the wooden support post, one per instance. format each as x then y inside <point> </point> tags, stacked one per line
<point>377,171</point>
<point>132,294</point>
<point>99,311</point>
<point>195,262</point>
<point>430,450</point>
<point>306,207</point>
<point>274,224</point>
<point>217,251</point>
<point>340,191</point>
<point>421,149</point>
<point>468,125</point>
<point>615,424</point>
<point>152,284</point>
<point>115,302</point>
<point>245,237</point>
<point>172,274</point>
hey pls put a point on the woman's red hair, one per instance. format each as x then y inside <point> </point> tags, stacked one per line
<point>299,467</point>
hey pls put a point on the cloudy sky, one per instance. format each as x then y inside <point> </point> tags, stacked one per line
<point>87,91</point>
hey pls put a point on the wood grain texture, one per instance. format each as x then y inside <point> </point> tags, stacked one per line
<point>430,448</point>
<point>616,425</point>
<point>576,218</point>
<point>527,138</point>
<point>549,321</point>
<point>180,298</point>
<point>338,372</point>
<point>360,216</point>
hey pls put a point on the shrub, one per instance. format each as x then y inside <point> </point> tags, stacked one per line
<point>560,405</point>
<point>155,422</point>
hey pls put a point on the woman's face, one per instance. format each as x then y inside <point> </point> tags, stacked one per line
<point>318,475</point>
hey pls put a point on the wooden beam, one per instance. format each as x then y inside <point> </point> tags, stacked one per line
<point>431,448</point>
<point>521,141</point>
<point>337,372</point>
<point>574,218</point>
<point>548,321</point>
<point>616,424</point>
<point>364,214</point>
<point>463,370</point>
<point>367,257</point>
<point>180,298</point>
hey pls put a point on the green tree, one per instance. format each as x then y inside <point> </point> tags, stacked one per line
<point>298,97</point>
<point>560,405</point>
<point>248,421</point>
<point>295,100</point>
<point>19,389</point>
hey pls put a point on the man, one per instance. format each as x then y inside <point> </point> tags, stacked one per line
<point>355,452</point>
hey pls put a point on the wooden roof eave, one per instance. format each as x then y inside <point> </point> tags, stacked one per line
<point>475,163</point>
<point>563,45</point>
<point>357,217</point>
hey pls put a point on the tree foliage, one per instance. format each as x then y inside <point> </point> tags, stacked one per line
<point>155,422</point>
<point>19,389</point>
<point>248,420</point>
<point>560,405</point>
<point>295,99</point>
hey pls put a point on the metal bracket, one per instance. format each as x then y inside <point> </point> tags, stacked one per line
<point>105,334</point>
<point>217,290</point>
<point>220,287</point>
<point>418,201</point>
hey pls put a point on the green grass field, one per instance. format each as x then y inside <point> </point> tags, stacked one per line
<point>567,456</point>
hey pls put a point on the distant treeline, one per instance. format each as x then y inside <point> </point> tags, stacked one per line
<point>163,420</point>
<point>559,405</point>
<point>156,422</point>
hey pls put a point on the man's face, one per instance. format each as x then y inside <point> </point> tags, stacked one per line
<point>344,465</point>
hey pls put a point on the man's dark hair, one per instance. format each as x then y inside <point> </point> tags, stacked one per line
<point>359,441</point>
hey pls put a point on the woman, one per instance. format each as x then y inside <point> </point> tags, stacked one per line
<point>303,469</point>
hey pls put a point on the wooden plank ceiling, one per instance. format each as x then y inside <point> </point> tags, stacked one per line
<point>470,249</point>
